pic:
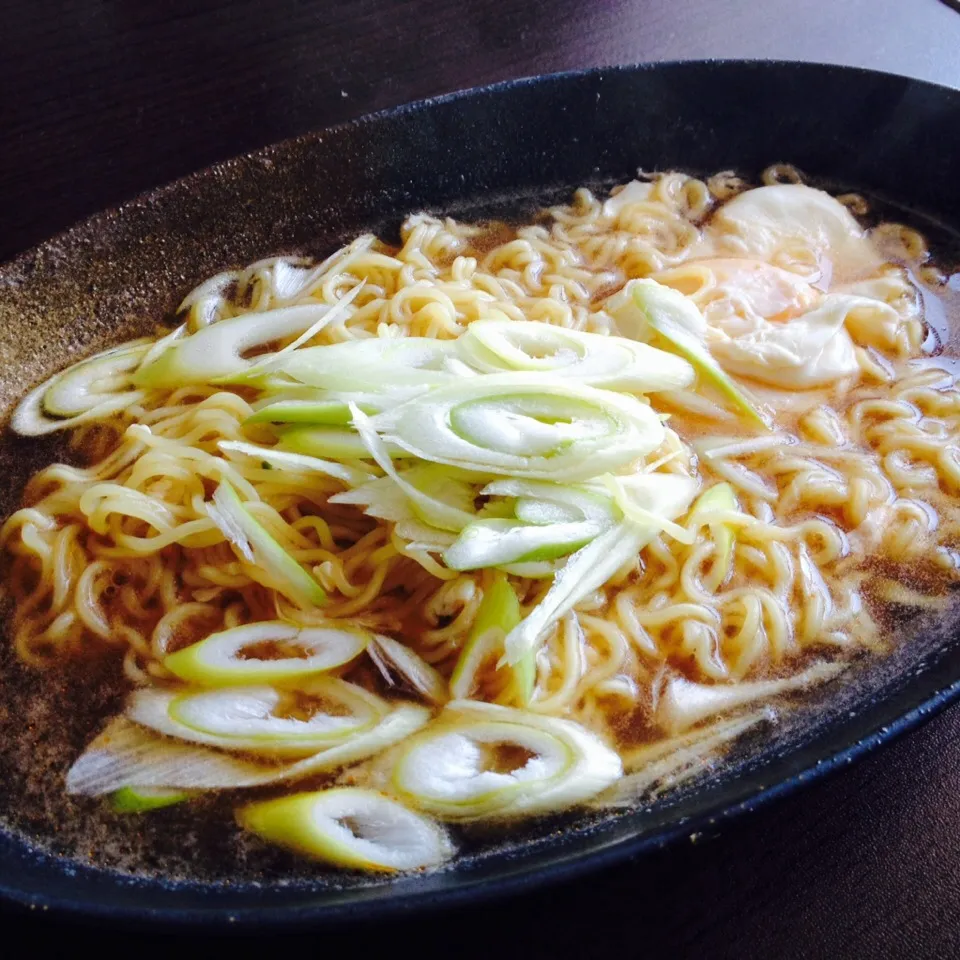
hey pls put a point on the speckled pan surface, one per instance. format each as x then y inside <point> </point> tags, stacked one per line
<point>499,148</point>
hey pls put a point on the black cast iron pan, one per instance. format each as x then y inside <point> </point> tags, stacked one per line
<point>496,150</point>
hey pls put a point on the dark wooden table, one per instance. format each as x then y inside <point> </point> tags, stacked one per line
<point>100,100</point>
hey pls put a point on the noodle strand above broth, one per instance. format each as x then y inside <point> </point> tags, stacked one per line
<point>499,521</point>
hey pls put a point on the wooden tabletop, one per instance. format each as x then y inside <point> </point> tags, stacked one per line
<point>103,99</point>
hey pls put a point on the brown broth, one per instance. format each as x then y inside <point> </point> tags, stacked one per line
<point>46,719</point>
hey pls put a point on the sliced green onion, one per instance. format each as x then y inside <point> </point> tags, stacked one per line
<point>593,565</point>
<point>291,404</point>
<point>80,387</point>
<point>445,508</point>
<point>29,420</point>
<point>719,498</point>
<point>351,476</point>
<point>336,443</point>
<point>638,500</point>
<point>684,703</point>
<point>645,305</point>
<point>543,513</point>
<point>497,614</point>
<point>257,547</point>
<point>475,654</point>
<point>328,413</point>
<point>93,389</point>
<point>229,658</point>
<point>262,719</point>
<point>250,715</point>
<point>539,570</point>
<point>446,492</point>
<point>279,388</point>
<point>521,426</point>
<point>145,799</point>
<point>128,754</point>
<point>499,346</point>
<point>458,368</point>
<point>492,543</point>
<point>380,498</point>
<point>589,504</point>
<point>587,570</point>
<point>274,360</point>
<point>376,362</point>
<point>453,768</point>
<point>392,657</point>
<point>158,346</point>
<point>215,352</point>
<point>349,827</point>
<point>423,536</point>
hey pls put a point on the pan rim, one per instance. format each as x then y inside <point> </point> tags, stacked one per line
<point>926,701</point>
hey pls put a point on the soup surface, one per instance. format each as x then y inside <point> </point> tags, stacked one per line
<point>496,523</point>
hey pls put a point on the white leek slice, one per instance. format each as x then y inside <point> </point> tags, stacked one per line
<point>513,424</point>
<point>215,351</point>
<point>373,363</point>
<point>719,498</point>
<point>393,657</point>
<point>328,413</point>
<point>349,827</point>
<point>93,389</point>
<point>158,346</point>
<point>544,513</point>
<point>535,570</point>
<point>592,566</point>
<point>284,459</point>
<point>266,364</point>
<point>492,543</point>
<point>257,546</point>
<point>81,387</point>
<point>460,767</point>
<point>424,537</point>
<point>380,498</point>
<point>589,504</point>
<point>279,388</point>
<point>258,720</point>
<point>684,703</point>
<point>336,443</point>
<point>230,657</point>
<point>645,306</point>
<point>439,496</point>
<point>145,799</point>
<point>587,570</point>
<point>457,367</point>
<point>497,614</point>
<point>306,405</point>
<point>251,715</point>
<point>615,363</point>
<point>446,512</point>
<point>127,754</point>
<point>29,420</point>
<point>638,498</point>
